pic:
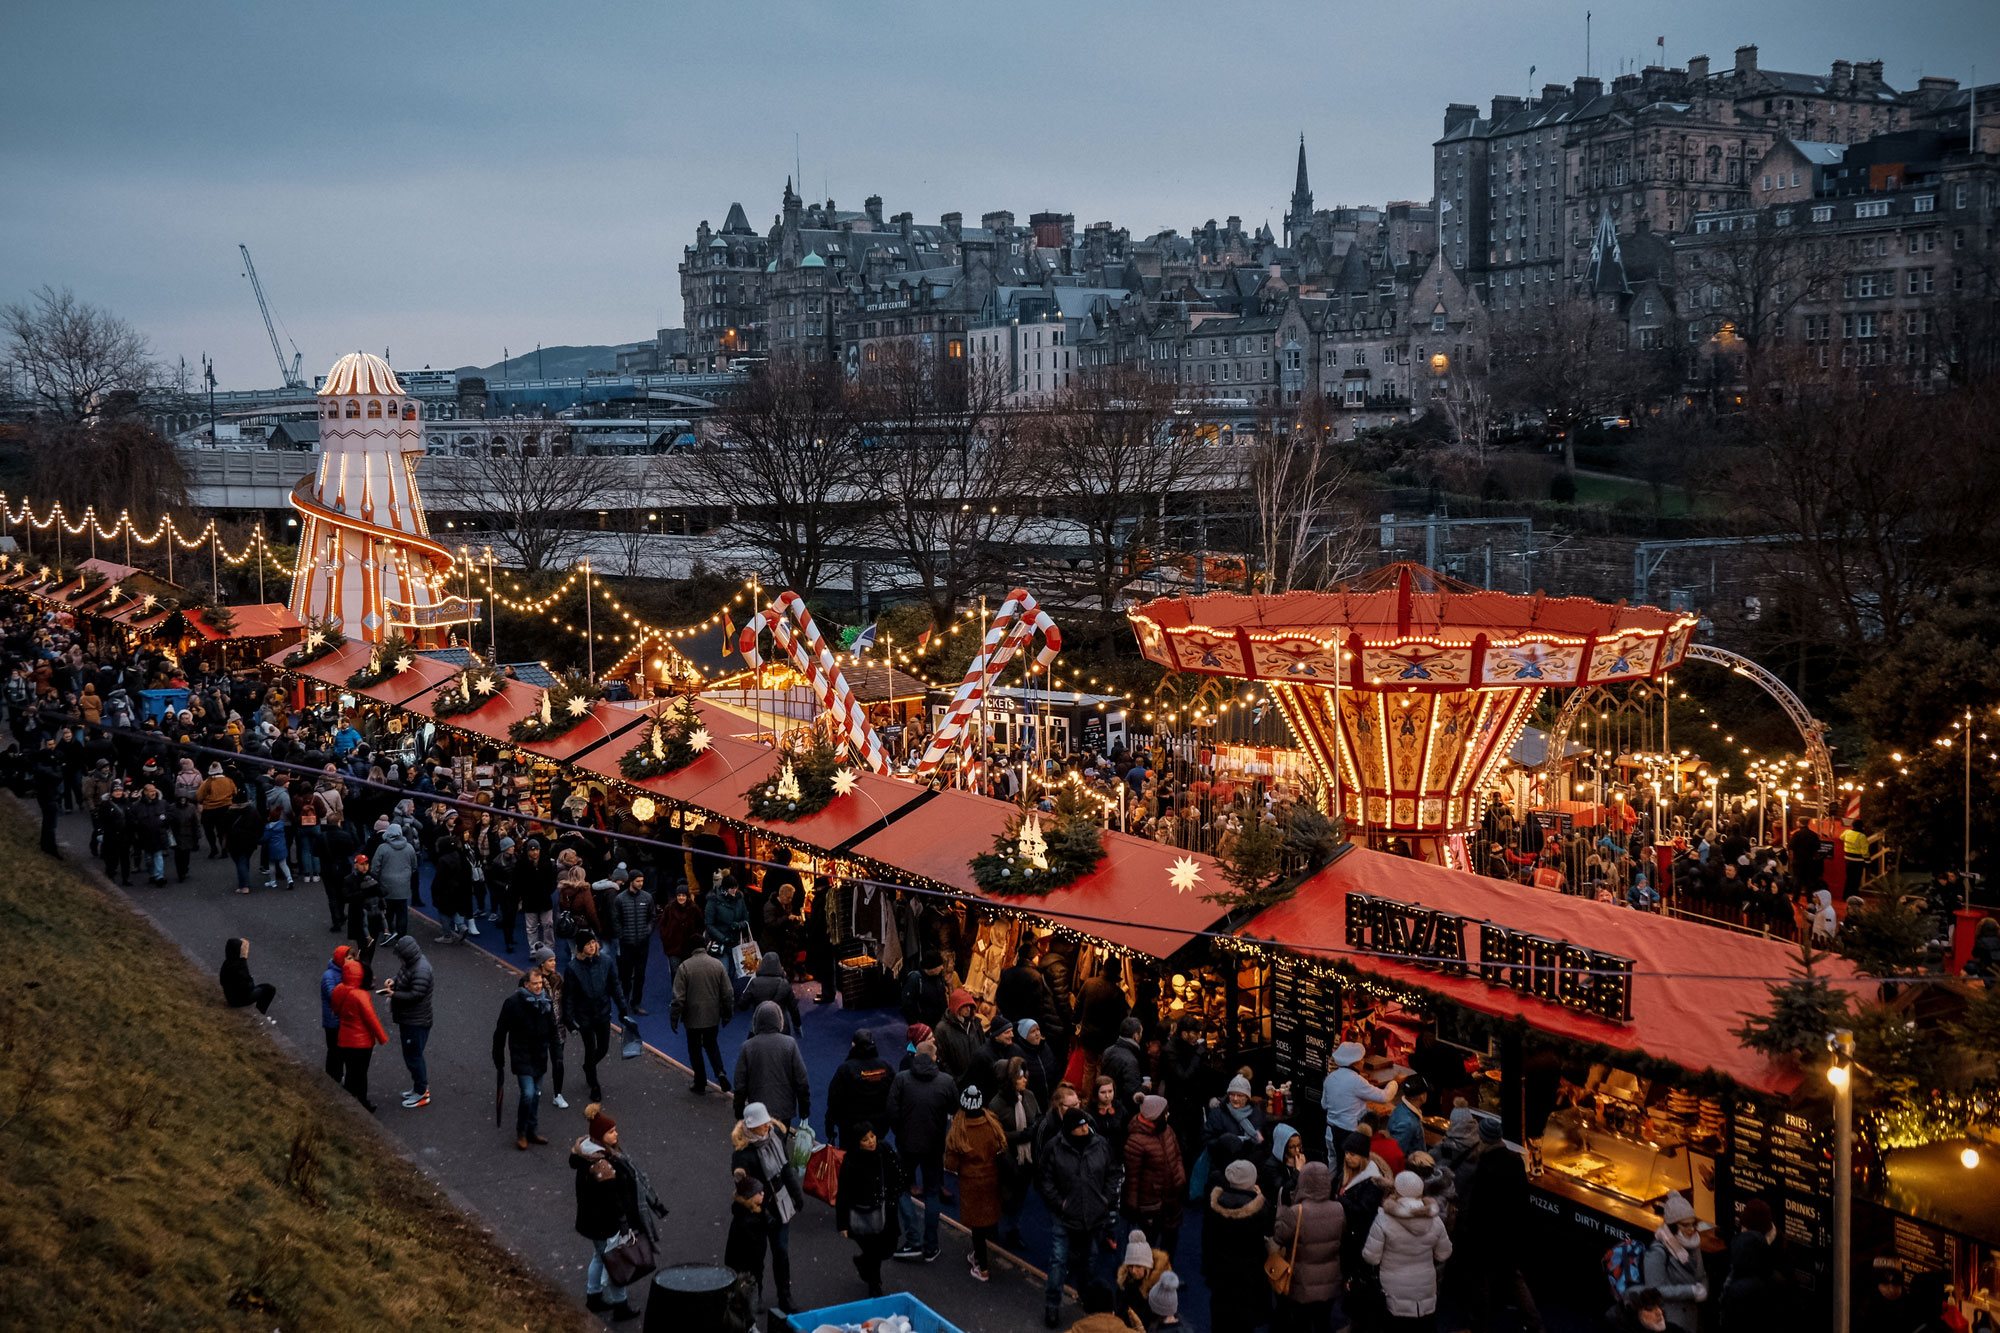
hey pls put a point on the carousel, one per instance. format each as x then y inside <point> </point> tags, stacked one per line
<point>1407,689</point>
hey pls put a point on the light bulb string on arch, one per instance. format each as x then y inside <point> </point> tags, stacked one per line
<point>164,529</point>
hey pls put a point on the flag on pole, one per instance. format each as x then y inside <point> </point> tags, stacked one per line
<point>923,639</point>
<point>728,634</point>
<point>864,640</point>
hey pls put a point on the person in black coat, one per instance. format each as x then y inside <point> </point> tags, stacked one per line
<point>239,988</point>
<point>857,1097</point>
<point>527,1032</point>
<point>871,1180</point>
<point>1022,991</point>
<point>612,1195</point>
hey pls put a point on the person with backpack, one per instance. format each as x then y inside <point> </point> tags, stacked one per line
<point>924,992</point>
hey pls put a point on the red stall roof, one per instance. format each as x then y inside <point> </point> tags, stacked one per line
<point>332,669</point>
<point>514,702</point>
<point>1691,982</point>
<point>1128,894</point>
<point>874,798</point>
<point>425,674</point>
<point>726,760</point>
<point>604,722</point>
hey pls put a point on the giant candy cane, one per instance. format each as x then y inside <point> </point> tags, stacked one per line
<point>1013,626</point>
<point>808,652</point>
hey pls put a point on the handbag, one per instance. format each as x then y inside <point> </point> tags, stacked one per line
<point>803,1145</point>
<point>746,956</point>
<point>1277,1267</point>
<point>629,1257</point>
<point>822,1175</point>
<point>1198,1179</point>
<point>866,1221</point>
<point>566,925</point>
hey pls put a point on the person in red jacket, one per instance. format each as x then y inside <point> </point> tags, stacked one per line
<point>360,1030</point>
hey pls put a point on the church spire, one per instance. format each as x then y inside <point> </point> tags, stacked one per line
<point>1302,202</point>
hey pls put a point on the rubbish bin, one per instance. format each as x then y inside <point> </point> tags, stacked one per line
<point>689,1296</point>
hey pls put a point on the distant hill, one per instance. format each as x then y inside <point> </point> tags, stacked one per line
<point>556,363</point>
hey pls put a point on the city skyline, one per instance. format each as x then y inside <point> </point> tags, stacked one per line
<point>444,189</point>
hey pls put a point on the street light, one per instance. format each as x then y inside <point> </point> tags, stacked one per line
<point>1840,1075</point>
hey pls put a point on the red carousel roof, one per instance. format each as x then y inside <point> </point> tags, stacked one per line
<point>1406,627</point>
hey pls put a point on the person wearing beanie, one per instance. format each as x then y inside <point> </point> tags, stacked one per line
<point>917,1035</point>
<point>612,1196</point>
<point>1233,1249</point>
<point>972,1148</point>
<point>1359,1185</point>
<point>1165,1300</point>
<point>1074,1178</point>
<point>1674,1264</point>
<point>1155,1191</point>
<point>1755,1296</point>
<point>995,1050</point>
<point>1234,1127</point>
<point>544,960</point>
<point>923,1101</point>
<point>857,1096</point>
<point>1040,1056</point>
<point>749,1233</point>
<point>1139,1270</point>
<point>1407,1242</point>
<point>1495,1219</point>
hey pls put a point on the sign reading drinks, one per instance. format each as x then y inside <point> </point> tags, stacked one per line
<point>1562,973</point>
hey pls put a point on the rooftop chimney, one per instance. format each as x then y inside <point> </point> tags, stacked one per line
<point>1868,73</point>
<point>1457,114</point>
<point>1843,76</point>
<point>998,221</point>
<point>1588,88</point>
<point>1504,107</point>
<point>1553,93</point>
<point>1746,60</point>
<point>874,206</point>
<point>1698,67</point>
<point>953,224</point>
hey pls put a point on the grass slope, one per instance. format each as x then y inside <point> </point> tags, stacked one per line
<point>163,1166</point>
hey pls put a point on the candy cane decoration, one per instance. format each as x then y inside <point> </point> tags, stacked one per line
<point>1013,627</point>
<point>814,660</point>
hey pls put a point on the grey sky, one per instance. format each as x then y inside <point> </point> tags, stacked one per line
<point>444,179</point>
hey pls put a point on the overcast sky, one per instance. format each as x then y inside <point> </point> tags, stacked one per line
<point>445,179</point>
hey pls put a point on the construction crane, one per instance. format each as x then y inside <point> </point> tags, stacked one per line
<point>290,374</point>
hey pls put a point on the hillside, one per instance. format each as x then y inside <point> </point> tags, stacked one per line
<point>556,363</point>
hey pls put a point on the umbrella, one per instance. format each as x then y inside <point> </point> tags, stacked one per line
<point>499,1093</point>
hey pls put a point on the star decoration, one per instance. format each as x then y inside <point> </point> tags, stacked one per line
<point>404,663</point>
<point>151,601</point>
<point>485,685</point>
<point>578,707</point>
<point>844,782</point>
<point>1184,875</point>
<point>313,639</point>
<point>699,740</point>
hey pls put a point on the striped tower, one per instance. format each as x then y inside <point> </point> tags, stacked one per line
<point>366,557</point>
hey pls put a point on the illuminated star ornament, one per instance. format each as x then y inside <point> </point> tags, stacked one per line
<point>578,707</point>
<point>1184,875</point>
<point>151,601</point>
<point>485,685</point>
<point>404,663</point>
<point>314,638</point>
<point>844,782</point>
<point>699,740</point>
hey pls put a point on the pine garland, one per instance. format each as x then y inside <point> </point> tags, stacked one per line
<point>556,716</point>
<point>668,746</point>
<point>1074,846</point>
<point>381,663</point>
<point>812,772</point>
<point>467,692</point>
<point>330,640</point>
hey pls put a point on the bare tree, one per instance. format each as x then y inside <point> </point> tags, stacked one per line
<point>1463,394</point>
<point>1112,454</point>
<point>1569,363</point>
<point>783,454</point>
<point>1745,284</point>
<point>73,354</point>
<point>1302,483</point>
<point>942,475</point>
<point>115,466</point>
<point>539,505</point>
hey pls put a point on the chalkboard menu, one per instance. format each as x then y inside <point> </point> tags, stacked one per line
<point>1305,1025</point>
<point>1780,1158</point>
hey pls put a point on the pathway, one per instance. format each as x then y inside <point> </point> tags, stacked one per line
<point>681,1140</point>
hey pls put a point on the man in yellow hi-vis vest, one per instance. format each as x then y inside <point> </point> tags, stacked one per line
<point>1854,845</point>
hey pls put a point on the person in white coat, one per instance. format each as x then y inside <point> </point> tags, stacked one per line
<point>1407,1243</point>
<point>1347,1094</point>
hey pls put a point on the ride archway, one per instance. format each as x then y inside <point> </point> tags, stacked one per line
<point>1811,730</point>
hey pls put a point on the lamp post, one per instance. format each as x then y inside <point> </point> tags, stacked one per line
<point>1840,1075</point>
<point>492,614</point>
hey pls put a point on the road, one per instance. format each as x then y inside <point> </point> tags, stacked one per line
<point>527,1199</point>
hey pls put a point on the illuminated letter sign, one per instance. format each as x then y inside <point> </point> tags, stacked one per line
<point>1547,969</point>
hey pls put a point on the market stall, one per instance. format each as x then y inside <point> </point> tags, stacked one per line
<point>1599,1037</point>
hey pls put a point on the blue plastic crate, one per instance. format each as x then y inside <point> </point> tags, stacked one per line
<point>922,1318</point>
<point>156,704</point>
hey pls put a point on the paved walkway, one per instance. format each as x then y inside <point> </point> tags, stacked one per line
<point>682,1141</point>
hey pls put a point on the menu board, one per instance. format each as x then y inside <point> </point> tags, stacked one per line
<point>1305,1025</point>
<point>1781,1158</point>
<point>1922,1249</point>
